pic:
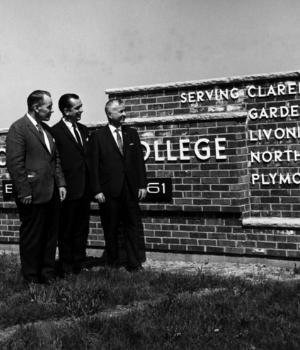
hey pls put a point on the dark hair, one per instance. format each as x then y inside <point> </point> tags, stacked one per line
<point>36,97</point>
<point>64,101</point>
<point>111,102</point>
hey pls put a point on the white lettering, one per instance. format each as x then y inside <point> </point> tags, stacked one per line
<point>145,144</point>
<point>281,89</point>
<point>271,91</point>
<point>266,156</point>
<point>282,180</point>
<point>234,93</point>
<point>183,149</point>
<point>272,176</point>
<point>255,178</point>
<point>183,97</point>
<point>200,95</point>
<point>251,115</point>
<point>294,111</point>
<point>220,148</point>
<point>264,181</point>
<point>255,157</point>
<point>250,93</point>
<point>156,156</point>
<point>191,97</point>
<point>277,136</point>
<point>205,149</point>
<point>169,157</point>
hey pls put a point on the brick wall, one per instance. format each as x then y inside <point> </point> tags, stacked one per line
<point>215,209</point>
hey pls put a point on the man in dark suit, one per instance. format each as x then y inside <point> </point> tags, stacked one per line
<point>39,185</point>
<point>118,180</point>
<point>71,139</point>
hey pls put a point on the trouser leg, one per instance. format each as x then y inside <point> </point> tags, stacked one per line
<point>31,230</point>
<point>130,227</point>
<point>50,236</point>
<point>66,235</point>
<point>81,223</point>
<point>38,237</point>
<point>110,212</point>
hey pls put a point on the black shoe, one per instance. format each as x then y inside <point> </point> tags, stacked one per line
<point>28,281</point>
<point>135,269</point>
<point>47,279</point>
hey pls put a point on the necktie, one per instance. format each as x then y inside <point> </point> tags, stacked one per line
<point>44,136</point>
<point>40,129</point>
<point>77,135</point>
<point>119,141</point>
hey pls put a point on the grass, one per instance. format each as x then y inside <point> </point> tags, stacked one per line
<point>174,315</point>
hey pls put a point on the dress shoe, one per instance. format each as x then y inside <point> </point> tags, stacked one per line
<point>135,269</point>
<point>47,279</point>
<point>28,281</point>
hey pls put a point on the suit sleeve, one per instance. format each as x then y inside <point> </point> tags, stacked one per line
<point>141,169</point>
<point>15,161</point>
<point>93,160</point>
<point>59,172</point>
<point>58,169</point>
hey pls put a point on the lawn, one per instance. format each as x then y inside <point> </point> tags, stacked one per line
<point>111,309</point>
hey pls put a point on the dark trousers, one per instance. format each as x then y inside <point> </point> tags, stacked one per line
<point>113,211</point>
<point>38,237</point>
<point>74,231</point>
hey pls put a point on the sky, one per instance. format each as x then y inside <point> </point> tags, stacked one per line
<point>88,46</point>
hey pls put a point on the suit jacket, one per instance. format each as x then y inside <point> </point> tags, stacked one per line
<point>109,167</point>
<point>73,157</point>
<point>33,169</point>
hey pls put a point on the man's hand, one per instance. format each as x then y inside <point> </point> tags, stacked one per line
<point>26,200</point>
<point>62,193</point>
<point>100,198</point>
<point>142,193</point>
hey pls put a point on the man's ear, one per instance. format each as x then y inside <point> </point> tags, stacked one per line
<point>65,111</point>
<point>36,107</point>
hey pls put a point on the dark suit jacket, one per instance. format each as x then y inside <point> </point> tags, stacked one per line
<point>73,157</point>
<point>32,168</point>
<point>109,167</point>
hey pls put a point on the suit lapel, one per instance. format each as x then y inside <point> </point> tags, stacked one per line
<point>34,130</point>
<point>83,137</point>
<point>111,138</point>
<point>125,139</point>
<point>69,134</point>
<point>50,139</point>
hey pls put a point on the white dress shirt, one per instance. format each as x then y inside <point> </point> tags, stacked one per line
<point>71,128</point>
<point>34,122</point>
<point>114,134</point>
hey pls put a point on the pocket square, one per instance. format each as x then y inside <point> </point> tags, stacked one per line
<point>131,144</point>
<point>87,139</point>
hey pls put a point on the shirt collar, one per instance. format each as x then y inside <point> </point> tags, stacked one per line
<point>113,128</point>
<point>33,121</point>
<point>69,124</point>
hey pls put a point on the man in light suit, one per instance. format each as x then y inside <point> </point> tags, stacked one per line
<point>71,139</point>
<point>118,180</point>
<point>39,185</point>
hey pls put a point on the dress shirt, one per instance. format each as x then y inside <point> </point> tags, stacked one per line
<point>34,122</point>
<point>70,127</point>
<point>113,129</point>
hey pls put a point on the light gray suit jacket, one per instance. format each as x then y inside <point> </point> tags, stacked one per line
<point>33,169</point>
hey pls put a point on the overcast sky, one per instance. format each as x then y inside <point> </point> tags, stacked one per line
<point>87,46</point>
